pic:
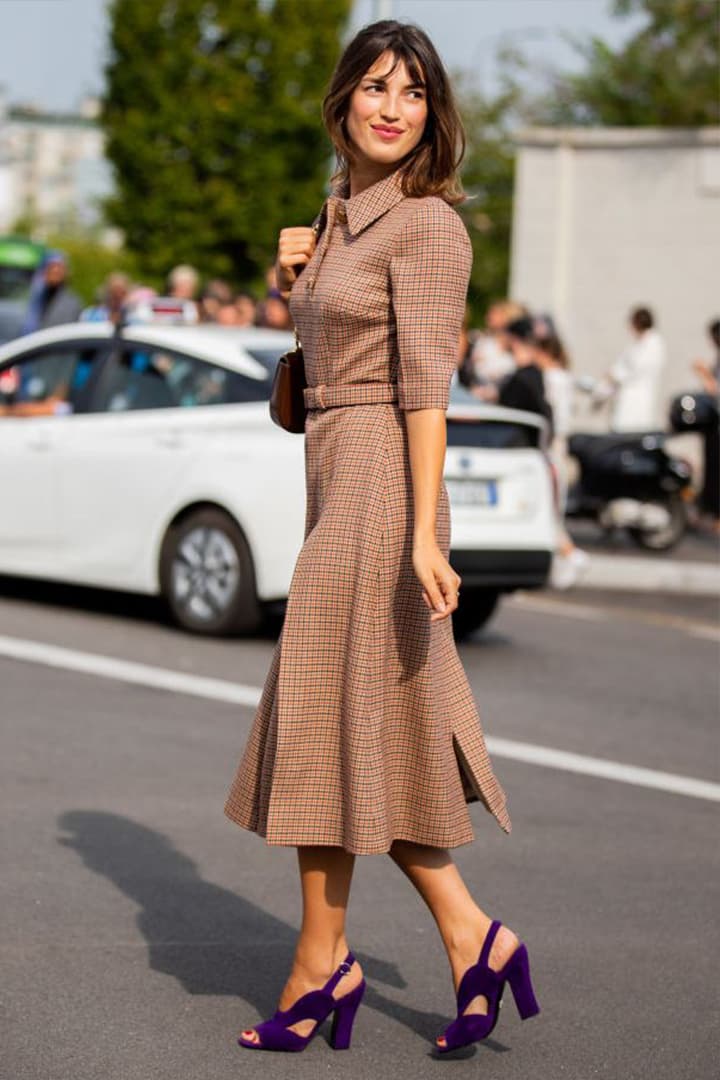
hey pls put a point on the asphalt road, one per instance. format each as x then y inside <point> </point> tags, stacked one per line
<point>140,929</point>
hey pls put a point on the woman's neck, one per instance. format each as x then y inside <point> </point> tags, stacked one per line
<point>367,173</point>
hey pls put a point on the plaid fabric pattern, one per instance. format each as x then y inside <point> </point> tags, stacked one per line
<point>367,730</point>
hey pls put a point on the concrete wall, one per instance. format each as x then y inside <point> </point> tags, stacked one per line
<point>606,219</point>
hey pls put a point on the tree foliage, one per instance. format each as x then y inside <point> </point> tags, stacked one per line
<point>667,74</point>
<point>212,117</point>
<point>488,178</point>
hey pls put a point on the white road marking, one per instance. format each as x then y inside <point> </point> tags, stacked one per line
<point>110,667</point>
<point>608,770</point>
<point>235,693</point>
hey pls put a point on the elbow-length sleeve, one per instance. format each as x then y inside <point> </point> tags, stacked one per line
<point>429,275</point>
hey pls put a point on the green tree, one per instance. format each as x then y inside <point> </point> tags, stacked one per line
<point>488,177</point>
<point>667,74</point>
<point>212,116</point>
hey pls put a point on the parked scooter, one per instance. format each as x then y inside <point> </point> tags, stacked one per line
<point>629,481</point>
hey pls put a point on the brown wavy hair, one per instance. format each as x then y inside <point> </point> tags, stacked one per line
<point>431,167</point>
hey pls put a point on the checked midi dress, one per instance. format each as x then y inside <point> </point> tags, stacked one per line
<point>367,730</point>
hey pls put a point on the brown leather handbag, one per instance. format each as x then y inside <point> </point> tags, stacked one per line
<point>287,404</point>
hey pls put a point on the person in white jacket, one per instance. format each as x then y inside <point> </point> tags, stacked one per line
<point>634,379</point>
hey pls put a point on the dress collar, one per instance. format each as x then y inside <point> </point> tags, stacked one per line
<point>363,209</point>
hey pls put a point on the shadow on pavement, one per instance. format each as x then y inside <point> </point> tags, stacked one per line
<point>210,939</point>
<point>135,607</point>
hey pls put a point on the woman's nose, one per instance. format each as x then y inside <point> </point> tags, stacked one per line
<point>390,110</point>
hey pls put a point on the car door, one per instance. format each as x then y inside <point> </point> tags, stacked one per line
<point>129,460</point>
<point>40,392</point>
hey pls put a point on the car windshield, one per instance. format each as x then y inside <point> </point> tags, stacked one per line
<point>267,357</point>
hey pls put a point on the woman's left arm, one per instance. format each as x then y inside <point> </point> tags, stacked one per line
<point>429,277</point>
<point>427,434</point>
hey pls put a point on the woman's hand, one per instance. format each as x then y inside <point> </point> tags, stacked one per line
<point>295,248</point>
<point>439,581</point>
<point>486,392</point>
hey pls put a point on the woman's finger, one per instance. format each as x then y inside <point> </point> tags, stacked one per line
<point>437,601</point>
<point>293,259</point>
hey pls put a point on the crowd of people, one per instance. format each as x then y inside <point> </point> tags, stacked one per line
<point>518,360</point>
<point>53,301</point>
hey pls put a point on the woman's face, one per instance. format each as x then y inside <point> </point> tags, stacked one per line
<point>386,113</point>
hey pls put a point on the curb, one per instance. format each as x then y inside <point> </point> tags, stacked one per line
<point>632,574</point>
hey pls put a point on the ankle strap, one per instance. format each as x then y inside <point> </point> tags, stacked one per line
<point>337,975</point>
<point>487,943</point>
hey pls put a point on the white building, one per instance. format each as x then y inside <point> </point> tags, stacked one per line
<point>606,219</point>
<point>52,166</point>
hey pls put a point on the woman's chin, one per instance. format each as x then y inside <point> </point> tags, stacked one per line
<point>385,154</point>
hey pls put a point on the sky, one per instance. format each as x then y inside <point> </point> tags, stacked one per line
<point>52,51</point>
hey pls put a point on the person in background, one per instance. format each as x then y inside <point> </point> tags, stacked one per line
<point>544,328</point>
<point>633,382</point>
<point>709,375</point>
<point>216,294</point>
<point>227,315</point>
<point>492,358</point>
<point>465,374</point>
<point>246,309</point>
<point>273,312</point>
<point>52,302</point>
<point>183,282</point>
<point>113,298</point>
<point>524,388</point>
<point>550,356</point>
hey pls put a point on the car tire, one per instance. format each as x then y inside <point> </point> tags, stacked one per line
<point>475,608</point>
<point>207,576</point>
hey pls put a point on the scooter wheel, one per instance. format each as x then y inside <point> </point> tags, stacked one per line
<point>669,535</point>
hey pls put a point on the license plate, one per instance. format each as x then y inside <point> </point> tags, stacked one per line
<point>472,492</point>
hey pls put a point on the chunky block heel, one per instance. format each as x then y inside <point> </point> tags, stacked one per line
<point>518,975</point>
<point>481,980</point>
<point>275,1033</point>
<point>342,1024</point>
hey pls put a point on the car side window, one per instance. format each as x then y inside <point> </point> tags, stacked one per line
<point>145,377</point>
<point>47,383</point>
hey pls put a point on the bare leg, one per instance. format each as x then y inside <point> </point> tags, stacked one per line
<point>325,877</point>
<point>462,924</point>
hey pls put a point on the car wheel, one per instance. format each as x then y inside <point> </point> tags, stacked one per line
<point>667,536</point>
<point>475,608</point>
<point>207,576</point>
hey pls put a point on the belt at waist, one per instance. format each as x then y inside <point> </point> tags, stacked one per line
<point>371,393</point>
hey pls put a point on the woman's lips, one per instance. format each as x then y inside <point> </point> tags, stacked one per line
<point>388,134</point>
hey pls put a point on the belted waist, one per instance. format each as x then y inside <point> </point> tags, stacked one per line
<point>370,393</point>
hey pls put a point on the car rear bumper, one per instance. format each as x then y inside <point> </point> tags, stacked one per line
<point>502,569</point>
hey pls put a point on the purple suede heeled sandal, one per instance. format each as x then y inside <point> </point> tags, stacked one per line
<point>481,979</point>
<point>275,1034</point>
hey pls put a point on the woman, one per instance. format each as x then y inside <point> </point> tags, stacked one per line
<point>367,739</point>
<point>550,356</point>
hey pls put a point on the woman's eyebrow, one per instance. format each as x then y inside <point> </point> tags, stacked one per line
<point>417,84</point>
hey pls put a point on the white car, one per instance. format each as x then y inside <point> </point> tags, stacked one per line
<point>145,460</point>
